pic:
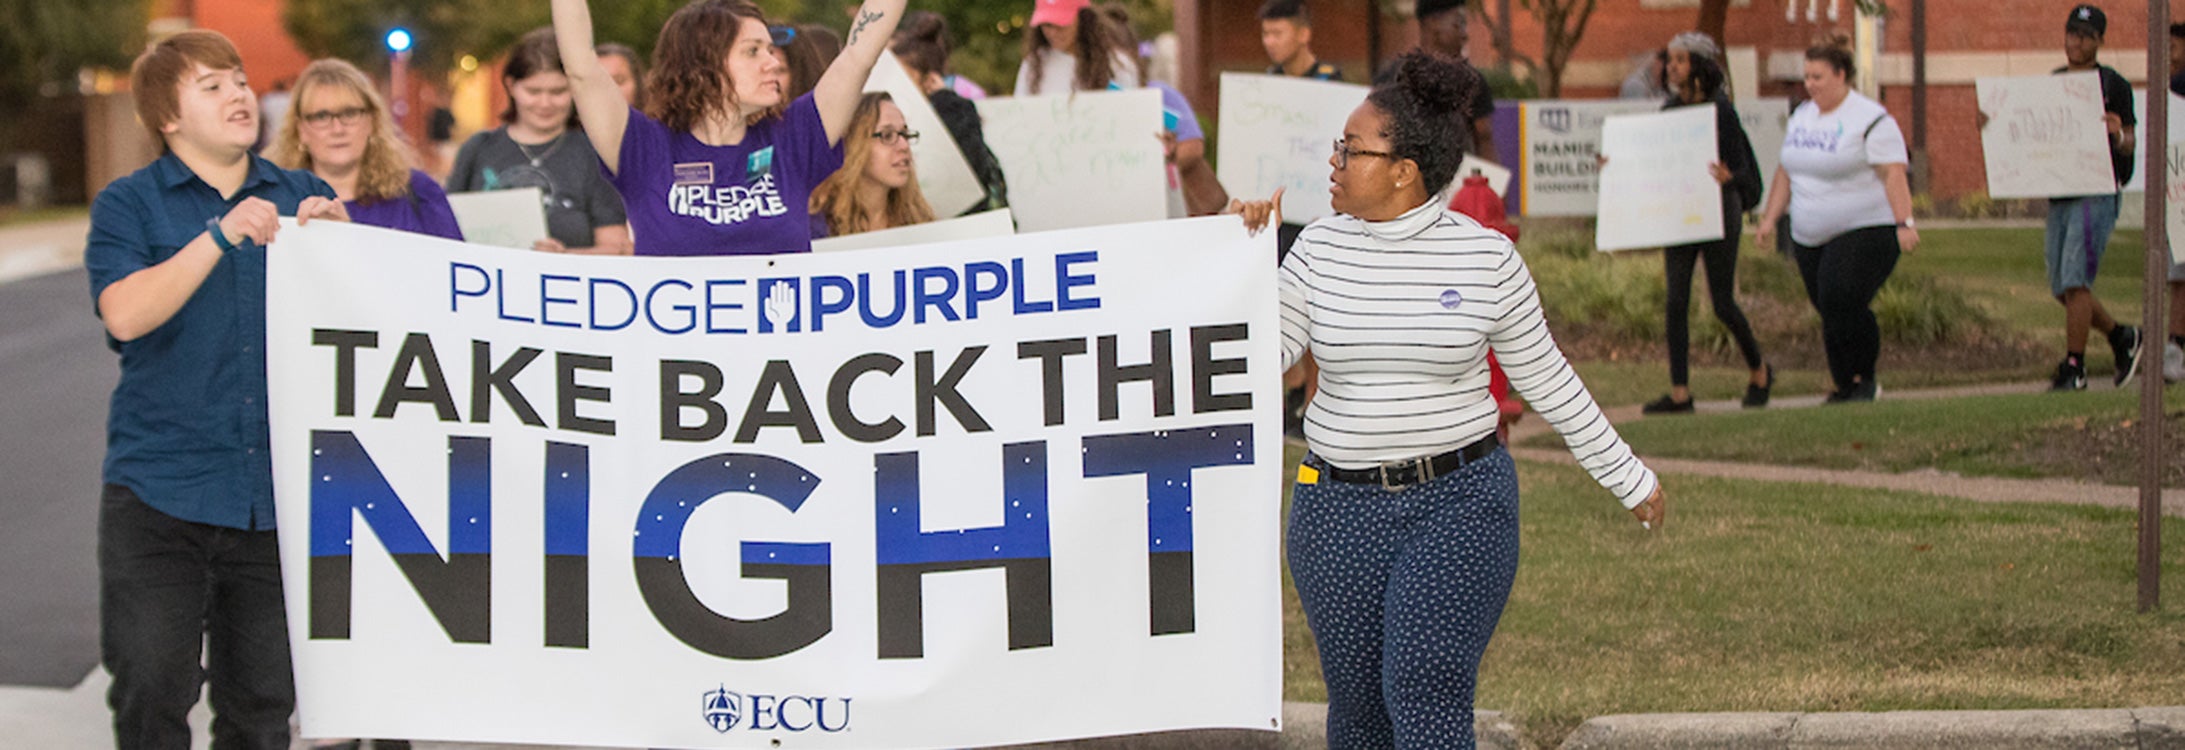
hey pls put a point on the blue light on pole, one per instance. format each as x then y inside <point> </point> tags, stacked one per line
<point>398,40</point>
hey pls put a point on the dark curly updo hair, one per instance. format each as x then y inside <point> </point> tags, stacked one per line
<point>1424,100</point>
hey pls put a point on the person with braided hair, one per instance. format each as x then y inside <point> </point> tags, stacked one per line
<point>1403,528</point>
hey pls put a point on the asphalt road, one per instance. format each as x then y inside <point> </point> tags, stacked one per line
<point>55,375</point>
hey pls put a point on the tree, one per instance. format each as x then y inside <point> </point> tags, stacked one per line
<point>1498,34</point>
<point>1714,18</point>
<point>44,43</point>
<point>1562,24</point>
<point>443,30</point>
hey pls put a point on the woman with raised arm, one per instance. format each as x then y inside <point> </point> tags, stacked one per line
<point>1403,524</point>
<point>697,178</point>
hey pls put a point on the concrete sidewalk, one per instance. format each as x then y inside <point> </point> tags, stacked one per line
<point>40,248</point>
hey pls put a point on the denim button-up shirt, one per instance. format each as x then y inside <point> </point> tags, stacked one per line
<point>186,428</point>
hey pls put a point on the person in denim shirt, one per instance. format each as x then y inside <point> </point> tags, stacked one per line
<point>189,570</point>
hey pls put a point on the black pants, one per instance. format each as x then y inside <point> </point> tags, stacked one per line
<point>1842,276</point>
<point>182,604</point>
<point>1721,257</point>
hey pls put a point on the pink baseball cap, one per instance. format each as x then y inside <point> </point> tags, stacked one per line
<point>1057,12</point>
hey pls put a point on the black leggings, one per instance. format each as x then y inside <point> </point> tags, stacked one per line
<point>1721,256</point>
<point>1842,276</point>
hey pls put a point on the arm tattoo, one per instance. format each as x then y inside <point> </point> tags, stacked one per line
<point>864,19</point>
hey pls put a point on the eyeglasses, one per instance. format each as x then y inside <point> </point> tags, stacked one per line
<point>327,117</point>
<point>1343,153</point>
<point>889,137</point>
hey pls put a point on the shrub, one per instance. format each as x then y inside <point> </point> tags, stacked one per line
<point>1976,205</point>
<point>1918,309</point>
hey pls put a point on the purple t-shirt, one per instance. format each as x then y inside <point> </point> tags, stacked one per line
<point>424,211</point>
<point>752,198</point>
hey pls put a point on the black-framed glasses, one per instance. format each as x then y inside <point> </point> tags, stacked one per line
<point>889,137</point>
<point>350,116</point>
<point>1343,153</point>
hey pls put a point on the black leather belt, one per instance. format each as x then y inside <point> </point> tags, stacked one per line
<point>1400,474</point>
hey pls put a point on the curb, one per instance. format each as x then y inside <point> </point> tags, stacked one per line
<point>2144,728</point>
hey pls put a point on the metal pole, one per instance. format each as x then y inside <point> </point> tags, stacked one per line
<point>2154,321</point>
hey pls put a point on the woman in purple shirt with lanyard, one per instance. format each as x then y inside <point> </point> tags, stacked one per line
<point>339,129</point>
<point>697,178</point>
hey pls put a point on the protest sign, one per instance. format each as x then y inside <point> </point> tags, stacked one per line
<point>1560,140</point>
<point>943,175</point>
<point>995,223</point>
<point>1082,159</point>
<point>1276,132</point>
<point>911,499</point>
<point>2044,136</point>
<point>1656,190</point>
<point>501,218</point>
<point>1766,122</point>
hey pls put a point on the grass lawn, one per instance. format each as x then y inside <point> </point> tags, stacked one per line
<point>1782,597</point>
<point>2003,270</point>
<point>2078,435</point>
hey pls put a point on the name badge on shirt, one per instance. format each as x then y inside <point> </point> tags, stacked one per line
<point>761,162</point>
<point>695,173</point>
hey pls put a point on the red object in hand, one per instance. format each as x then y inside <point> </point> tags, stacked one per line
<point>1477,200</point>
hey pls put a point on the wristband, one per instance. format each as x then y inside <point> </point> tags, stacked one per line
<point>1908,223</point>
<point>219,237</point>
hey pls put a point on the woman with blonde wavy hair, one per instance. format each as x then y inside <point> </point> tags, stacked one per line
<point>877,186</point>
<point>339,129</point>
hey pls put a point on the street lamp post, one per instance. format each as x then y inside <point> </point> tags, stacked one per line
<point>398,42</point>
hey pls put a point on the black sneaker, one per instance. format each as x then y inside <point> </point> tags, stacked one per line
<point>1667,405</point>
<point>2125,341</point>
<point>1756,396</point>
<point>1862,392</point>
<point>2070,376</point>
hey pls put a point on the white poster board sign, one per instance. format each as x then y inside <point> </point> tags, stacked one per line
<point>736,502</point>
<point>1766,122</point>
<point>2174,166</point>
<point>501,218</point>
<point>1559,140</point>
<point>1743,65</point>
<point>995,223</point>
<point>943,175</point>
<point>1079,160</point>
<point>1276,132</point>
<point>2044,137</point>
<point>1656,189</point>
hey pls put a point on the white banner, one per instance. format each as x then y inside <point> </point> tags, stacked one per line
<point>996,223</point>
<point>1656,190</point>
<point>1559,139</point>
<point>1080,160</point>
<point>943,175</point>
<point>1277,132</point>
<point>966,494</point>
<point>1766,122</point>
<point>2044,137</point>
<point>501,218</point>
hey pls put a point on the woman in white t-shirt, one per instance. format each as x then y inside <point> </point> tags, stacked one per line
<point>1842,178</point>
<point>1069,47</point>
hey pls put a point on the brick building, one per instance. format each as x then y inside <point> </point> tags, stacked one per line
<point>1966,39</point>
